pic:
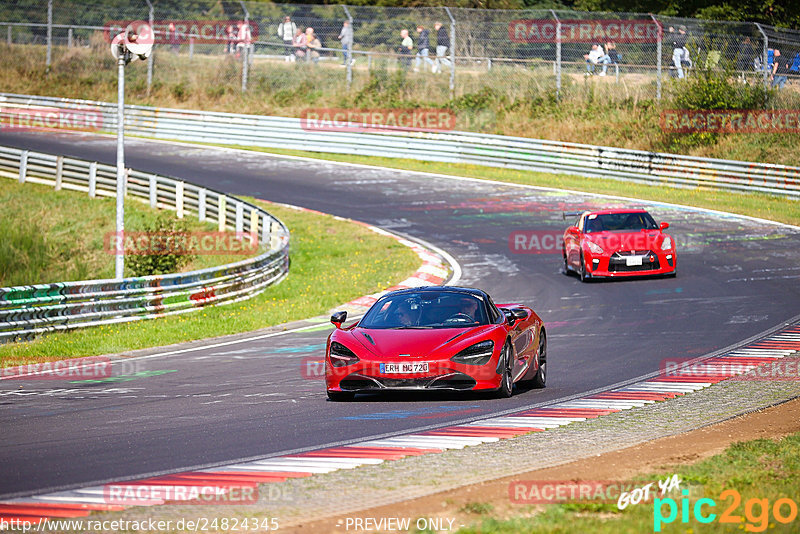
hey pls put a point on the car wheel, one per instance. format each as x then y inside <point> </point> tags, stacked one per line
<point>540,379</point>
<point>507,381</point>
<point>582,273</point>
<point>340,396</point>
<point>566,265</point>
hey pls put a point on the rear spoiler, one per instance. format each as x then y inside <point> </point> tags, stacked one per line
<point>571,214</point>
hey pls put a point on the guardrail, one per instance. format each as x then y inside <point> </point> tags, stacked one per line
<point>444,146</point>
<point>27,311</point>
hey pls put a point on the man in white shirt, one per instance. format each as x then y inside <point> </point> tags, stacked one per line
<point>597,56</point>
<point>286,31</point>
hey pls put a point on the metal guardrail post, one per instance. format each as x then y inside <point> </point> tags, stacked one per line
<point>658,56</point>
<point>452,51</point>
<point>349,57</point>
<point>222,216</point>
<point>765,61</point>
<point>150,18</point>
<point>558,54</point>
<point>59,172</point>
<point>201,204</point>
<point>49,57</point>
<point>239,218</point>
<point>179,199</point>
<point>23,166</point>
<point>153,191</point>
<point>119,259</point>
<point>93,179</point>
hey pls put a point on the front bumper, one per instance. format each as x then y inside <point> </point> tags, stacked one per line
<point>616,264</point>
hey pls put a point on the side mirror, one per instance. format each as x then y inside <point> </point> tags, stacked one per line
<point>514,315</point>
<point>573,230</point>
<point>663,226</point>
<point>338,318</point>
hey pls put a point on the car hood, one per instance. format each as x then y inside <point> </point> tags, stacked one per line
<point>627,240</point>
<point>417,343</point>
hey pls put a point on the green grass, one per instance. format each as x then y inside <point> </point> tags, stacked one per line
<point>58,236</point>
<point>759,469</point>
<point>770,207</point>
<point>333,262</point>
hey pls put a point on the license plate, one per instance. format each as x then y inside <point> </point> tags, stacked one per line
<point>404,368</point>
<point>630,261</point>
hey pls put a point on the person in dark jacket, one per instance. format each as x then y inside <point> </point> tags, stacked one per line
<point>442,44</point>
<point>745,59</point>
<point>679,51</point>
<point>423,48</point>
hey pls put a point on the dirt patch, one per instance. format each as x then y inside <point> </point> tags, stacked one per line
<point>465,504</point>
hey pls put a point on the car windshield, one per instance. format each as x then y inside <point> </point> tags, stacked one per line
<point>615,222</point>
<point>426,309</point>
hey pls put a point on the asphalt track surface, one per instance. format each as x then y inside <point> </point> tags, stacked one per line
<point>737,277</point>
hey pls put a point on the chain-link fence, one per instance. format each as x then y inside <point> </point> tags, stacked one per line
<point>383,56</point>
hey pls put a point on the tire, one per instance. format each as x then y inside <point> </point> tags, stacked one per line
<point>582,273</point>
<point>540,380</point>
<point>566,265</point>
<point>340,396</point>
<point>506,388</point>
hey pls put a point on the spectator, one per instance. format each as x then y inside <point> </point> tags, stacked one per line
<point>244,40</point>
<point>423,48</point>
<point>231,38</point>
<point>313,44</point>
<point>611,51</point>
<point>346,37</point>
<point>172,38</point>
<point>406,49</point>
<point>680,53</point>
<point>300,44</point>
<point>596,57</point>
<point>442,44</point>
<point>780,70</point>
<point>286,32</point>
<point>745,60</point>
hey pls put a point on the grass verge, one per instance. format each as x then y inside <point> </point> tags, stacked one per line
<point>331,264</point>
<point>760,472</point>
<point>770,207</point>
<point>58,236</point>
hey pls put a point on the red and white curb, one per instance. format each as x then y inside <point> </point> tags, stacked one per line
<point>81,502</point>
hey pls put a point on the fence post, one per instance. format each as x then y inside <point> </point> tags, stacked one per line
<point>69,37</point>
<point>765,60</point>
<point>558,54</point>
<point>222,216</point>
<point>150,18</point>
<point>201,204</point>
<point>93,179</point>
<point>8,39</point>
<point>23,166</point>
<point>266,226</point>
<point>179,199</point>
<point>59,172</point>
<point>246,49</point>
<point>49,33</point>
<point>349,56</point>
<point>452,50</point>
<point>153,190</point>
<point>659,52</point>
<point>191,46</point>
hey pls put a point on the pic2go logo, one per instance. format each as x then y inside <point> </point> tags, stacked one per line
<point>756,511</point>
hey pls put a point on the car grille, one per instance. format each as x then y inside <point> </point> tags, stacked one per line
<point>356,382</point>
<point>618,263</point>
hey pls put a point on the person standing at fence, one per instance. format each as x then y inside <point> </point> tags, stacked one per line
<point>244,40</point>
<point>346,37</point>
<point>300,44</point>
<point>230,36</point>
<point>406,49</point>
<point>172,38</point>
<point>780,70</point>
<point>286,31</point>
<point>313,43</point>
<point>442,44</point>
<point>423,49</point>
<point>679,51</point>
<point>746,59</point>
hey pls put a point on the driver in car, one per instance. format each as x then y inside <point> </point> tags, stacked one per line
<point>405,315</point>
<point>469,307</point>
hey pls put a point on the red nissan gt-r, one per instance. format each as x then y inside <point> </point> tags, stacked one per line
<point>436,338</point>
<point>617,243</point>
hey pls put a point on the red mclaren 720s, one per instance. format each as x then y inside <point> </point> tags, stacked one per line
<point>436,338</point>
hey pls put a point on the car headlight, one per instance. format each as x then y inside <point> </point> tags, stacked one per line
<point>594,248</point>
<point>667,243</point>
<point>477,354</point>
<point>341,356</point>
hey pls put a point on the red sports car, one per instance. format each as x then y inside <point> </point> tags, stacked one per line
<point>436,338</point>
<point>618,242</point>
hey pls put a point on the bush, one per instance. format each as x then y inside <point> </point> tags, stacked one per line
<point>149,264</point>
